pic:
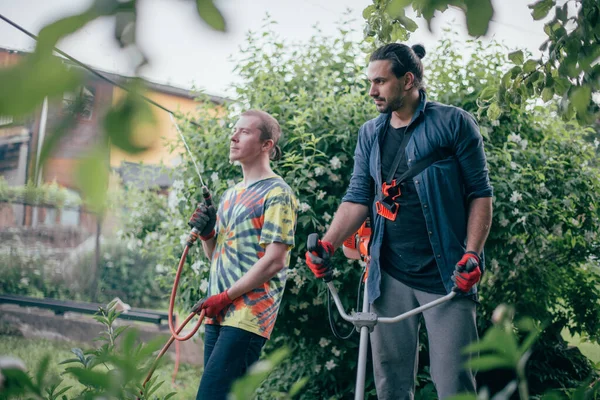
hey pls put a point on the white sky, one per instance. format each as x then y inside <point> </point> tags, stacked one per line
<point>183,51</point>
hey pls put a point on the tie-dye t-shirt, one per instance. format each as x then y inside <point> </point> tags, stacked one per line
<point>249,218</point>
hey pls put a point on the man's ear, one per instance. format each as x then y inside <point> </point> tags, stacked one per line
<point>268,145</point>
<point>409,81</point>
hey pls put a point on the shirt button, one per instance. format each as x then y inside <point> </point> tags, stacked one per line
<point>410,159</point>
<point>439,256</point>
<point>424,205</point>
<point>431,233</point>
<point>416,182</point>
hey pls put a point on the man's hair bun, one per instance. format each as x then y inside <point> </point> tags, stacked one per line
<point>419,50</point>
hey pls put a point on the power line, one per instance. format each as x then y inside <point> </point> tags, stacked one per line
<point>90,69</point>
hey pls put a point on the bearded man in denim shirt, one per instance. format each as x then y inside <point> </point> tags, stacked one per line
<point>423,227</point>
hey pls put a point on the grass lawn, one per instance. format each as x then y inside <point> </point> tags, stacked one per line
<point>588,349</point>
<point>31,351</point>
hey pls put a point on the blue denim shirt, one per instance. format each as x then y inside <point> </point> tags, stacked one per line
<point>445,188</point>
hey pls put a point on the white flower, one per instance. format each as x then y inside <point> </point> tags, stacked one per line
<point>196,266</point>
<point>293,308</point>
<point>317,301</point>
<point>333,177</point>
<point>324,342</point>
<point>24,281</point>
<point>596,143</point>
<point>214,177</point>
<point>318,368</point>
<point>335,163</point>
<point>295,290</point>
<point>297,332</point>
<point>304,207</point>
<point>303,318</point>
<point>495,264</point>
<point>330,365</point>
<point>504,222</point>
<point>177,184</point>
<point>312,184</point>
<point>522,219</point>
<point>303,305</point>
<point>335,351</point>
<point>336,272</point>
<point>495,122</point>
<point>524,143</point>
<point>160,268</point>
<point>513,165</point>
<point>321,195</point>
<point>203,285</point>
<point>326,217</point>
<point>299,280</point>
<point>514,138</point>
<point>182,239</point>
<point>516,197</point>
<point>319,171</point>
<point>230,183</point>
<point>515,211</point>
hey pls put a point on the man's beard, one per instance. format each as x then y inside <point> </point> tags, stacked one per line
<point>396,105</point>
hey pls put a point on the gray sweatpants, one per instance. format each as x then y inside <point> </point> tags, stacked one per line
<point>450,327</point>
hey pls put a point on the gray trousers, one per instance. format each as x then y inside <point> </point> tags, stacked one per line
<point>450,326</point>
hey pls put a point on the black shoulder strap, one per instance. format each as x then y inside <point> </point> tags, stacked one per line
<point>422,164</point>
<point>399,155</point>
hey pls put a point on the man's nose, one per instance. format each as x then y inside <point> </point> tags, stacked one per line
<point>373,92</point>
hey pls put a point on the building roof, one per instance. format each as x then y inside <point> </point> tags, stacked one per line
<point>122,79</point>
<point>144,176</point>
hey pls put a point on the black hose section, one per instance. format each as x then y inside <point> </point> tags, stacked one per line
<point>331,323</point>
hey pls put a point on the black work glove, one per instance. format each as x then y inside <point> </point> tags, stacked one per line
<point>204,220</point>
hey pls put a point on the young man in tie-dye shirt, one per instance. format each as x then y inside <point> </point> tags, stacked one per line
<point>248,241</point>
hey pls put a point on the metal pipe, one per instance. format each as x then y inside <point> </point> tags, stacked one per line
<point>391,320</point>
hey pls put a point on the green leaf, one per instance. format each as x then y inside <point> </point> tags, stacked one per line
<point>368,11</point>
<point>547,94</point>
<point>488,93</point>
<point>25,85</point>
<point>530,66</point>
<point>297,386</point>
<point>580,97</point>
<point>211,14</point>
<point>121,121</point>
<point>91,378</point>
<point>489,362</point>
<point>245,387</point>
<point>92,177</point>
<point>494,111</point>
<point>41,372</point>
<point>479,13</point>
<point>541,8</point>
<point>408,23</point>
<point>516,57</point>
<point>395,8</point>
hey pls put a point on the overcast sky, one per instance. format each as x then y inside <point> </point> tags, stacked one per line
<point>183,51</point>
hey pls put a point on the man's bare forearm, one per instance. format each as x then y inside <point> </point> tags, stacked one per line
<point>263,271</point>
<point>479,224</point>
<point>348,218</point>
<point>209,246</point>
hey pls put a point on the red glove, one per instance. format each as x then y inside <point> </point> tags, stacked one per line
<point>215,304</point>
<point>319,261</point>
<point>467,272</point>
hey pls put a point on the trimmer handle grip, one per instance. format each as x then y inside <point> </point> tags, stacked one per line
<point>312,243</point>
<point>471,265</point>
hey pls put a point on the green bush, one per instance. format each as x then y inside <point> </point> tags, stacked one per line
<point>125,272</point>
